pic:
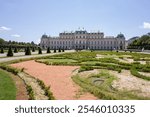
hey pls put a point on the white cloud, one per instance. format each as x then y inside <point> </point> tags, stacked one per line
<point>146,25</point>
<point>3,28</point>
<point>16,35</point>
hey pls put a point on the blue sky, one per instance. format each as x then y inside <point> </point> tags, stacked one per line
<point>27,20</point>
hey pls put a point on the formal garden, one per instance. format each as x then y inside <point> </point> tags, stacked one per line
<point>103,74</point>
<point>101,83</point>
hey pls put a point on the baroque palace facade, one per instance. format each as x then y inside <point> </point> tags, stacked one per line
<point>82,39</point>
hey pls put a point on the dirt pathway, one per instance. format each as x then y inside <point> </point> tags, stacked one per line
<point>58,77</point>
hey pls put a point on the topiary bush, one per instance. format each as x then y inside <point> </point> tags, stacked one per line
<point>2,50</point>
<point>48,50</point>
<point>59,50</point>
<point>28,52</point>
<point>40,50</point>
<point>54,50</point>
<point>10,52</point>
<point>15,50</point>
<point>33,49</point>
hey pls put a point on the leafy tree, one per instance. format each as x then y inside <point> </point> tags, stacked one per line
<point>2,41</point>
<point>142,42</point>
<point>40,50</point>
<point>28,52</point>
<point>48,50</point>
<point>2,50</point>
<point>10,52</point>
<point>15,50</point>
<point>32,43</point>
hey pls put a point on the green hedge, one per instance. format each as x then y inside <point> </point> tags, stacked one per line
<point>134,72</point>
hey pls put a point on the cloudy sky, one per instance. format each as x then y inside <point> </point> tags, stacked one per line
<point>27,20</point>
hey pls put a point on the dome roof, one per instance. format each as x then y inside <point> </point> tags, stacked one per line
<point>44,36</point>
<point>121,36</point>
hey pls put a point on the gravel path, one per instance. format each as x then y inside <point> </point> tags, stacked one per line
<point>6,59</point>
<point>58,77</point>
<point>129,82</point>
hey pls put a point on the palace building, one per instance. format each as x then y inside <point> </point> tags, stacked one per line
<point>82,39</point>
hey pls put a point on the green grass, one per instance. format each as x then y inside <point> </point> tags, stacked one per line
<point>88,61</point>
<point>7,86</point>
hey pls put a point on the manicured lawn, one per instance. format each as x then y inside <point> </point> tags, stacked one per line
<point>7,86</point>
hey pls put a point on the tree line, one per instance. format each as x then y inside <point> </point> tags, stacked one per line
<point>141,43</point>
<point>6,44</point>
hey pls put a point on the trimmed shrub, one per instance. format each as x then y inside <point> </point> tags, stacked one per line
<point>15,50</point>
<point>30,92</point>
<point>59,50</point>
<point>134,72</point>
<point>28,52</point>
<point>9,69</point>
<point>85,68</point>
<point>48,50</point>
<point>33,49</point>
<point>10,52</point>
<point>63,50</point>
<point>47,91</point>
<point>2,50</point>
<point>40,50</point>
<point>54,50</point>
